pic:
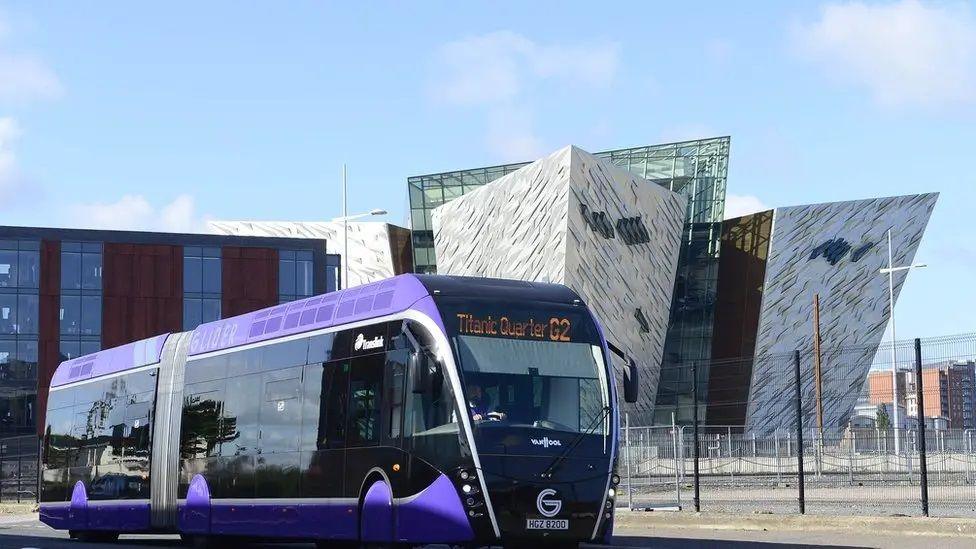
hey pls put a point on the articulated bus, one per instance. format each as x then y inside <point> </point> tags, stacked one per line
<point>419,409</point>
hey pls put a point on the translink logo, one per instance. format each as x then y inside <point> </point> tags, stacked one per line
<point>545,442</point>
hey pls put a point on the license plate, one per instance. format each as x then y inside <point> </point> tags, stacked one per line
<point>546,524</point>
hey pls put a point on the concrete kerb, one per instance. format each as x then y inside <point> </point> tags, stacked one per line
<point>17,508</point>
<point>912,526</point>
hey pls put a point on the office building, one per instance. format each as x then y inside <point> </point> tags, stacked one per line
<point>67,292</point>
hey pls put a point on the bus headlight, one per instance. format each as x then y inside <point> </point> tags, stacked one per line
<point>611,492</point>
<point>615,479</point>
<point>466,488</point>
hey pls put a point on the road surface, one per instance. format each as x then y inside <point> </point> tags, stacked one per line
<point>24,531</point>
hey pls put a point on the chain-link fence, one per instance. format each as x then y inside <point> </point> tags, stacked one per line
<point>863,424</point>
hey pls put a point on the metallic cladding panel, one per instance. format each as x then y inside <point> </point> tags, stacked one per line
<point>165,466</point>
<point>531,225</point>
<point>853,302</point>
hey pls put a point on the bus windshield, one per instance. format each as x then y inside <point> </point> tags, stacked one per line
<point>537,384</point>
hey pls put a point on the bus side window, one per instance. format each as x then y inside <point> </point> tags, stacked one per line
<point>396,366</point>
<point>335,396</point>
<point>313,410</point>
<point>365,385</point>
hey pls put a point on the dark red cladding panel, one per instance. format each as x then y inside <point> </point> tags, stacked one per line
<point>249,279</point>
<point>48,344</point>
<point>142,292</point>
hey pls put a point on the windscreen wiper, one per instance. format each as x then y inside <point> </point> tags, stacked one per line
<point>547,473</point>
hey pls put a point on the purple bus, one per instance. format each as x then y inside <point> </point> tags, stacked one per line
<point>420,409</point>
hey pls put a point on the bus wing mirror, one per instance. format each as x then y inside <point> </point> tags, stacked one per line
<point>631,382</point>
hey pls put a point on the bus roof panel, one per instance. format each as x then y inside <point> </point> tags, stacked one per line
<point>372,300</point>
<point>126,357</point>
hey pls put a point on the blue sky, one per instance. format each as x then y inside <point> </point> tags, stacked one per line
<point>161,116</point>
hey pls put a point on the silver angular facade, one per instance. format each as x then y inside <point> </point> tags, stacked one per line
<point>834,250</point>
<point>575,219</point>
<point>376,250</point>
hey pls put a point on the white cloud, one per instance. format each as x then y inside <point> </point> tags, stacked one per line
<point>24,76</point>
<point>13,185</point>
<point>135,212</point>
<point>904,53</point>
<point>511,136</point>
<point>737,205</point>
<point>495,67</point>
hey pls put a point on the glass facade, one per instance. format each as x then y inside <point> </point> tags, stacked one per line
<point>201,285</point>
<point>80,314</point>
<point>295,275</point>
<point>333,272</point>
<point>696,169</point>
<point>20,268</point>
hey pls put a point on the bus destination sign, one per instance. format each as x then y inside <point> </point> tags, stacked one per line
<point>554,328</point>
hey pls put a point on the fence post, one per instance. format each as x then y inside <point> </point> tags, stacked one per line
<point>922,467</point>
<point>630,478</point>
<point>799,432</point>
<point>694,392</point>
<point>674,452</point>
<point>778,468</point>
<point>731,460</point>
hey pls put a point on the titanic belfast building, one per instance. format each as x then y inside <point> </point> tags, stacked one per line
<point>640,234</point>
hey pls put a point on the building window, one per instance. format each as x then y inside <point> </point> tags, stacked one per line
<point>80,315</point>
<point>19,276</point>
<point>295,278</point>
<point>201,285</point>
<point>333,274</point>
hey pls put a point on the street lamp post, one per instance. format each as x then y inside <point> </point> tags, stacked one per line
<point>890,271</point>
<point>345,228</point>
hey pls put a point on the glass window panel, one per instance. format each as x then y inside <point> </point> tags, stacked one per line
<point>91,271</point>
<point>331,278</point>
<point>192,313</point>
<point>211,275</point>
<point>192,275</point>
<point>209,310</point>
<point>210,251</point>
<point>91,315</point>
<point>286,254</point>
<point>8,268</point>
<point>286,277</point>
<point>70,314</point>
<point>89,347</point>
<point>8,313</point>
<point>27,314</point>
<point>304,284</point>
<point>70,349</point>
<point>241,412</point>
<point>70,271</point>
<point>29,269</point>
<point>364,393</point>
<point>303,255</point>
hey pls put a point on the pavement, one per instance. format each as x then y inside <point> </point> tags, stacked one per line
<point>667,530</point>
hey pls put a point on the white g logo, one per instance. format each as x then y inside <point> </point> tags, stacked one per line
<point>549,506</point>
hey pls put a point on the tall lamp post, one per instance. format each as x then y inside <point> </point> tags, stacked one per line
<point>890,270</point>
<point>345,228</point>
